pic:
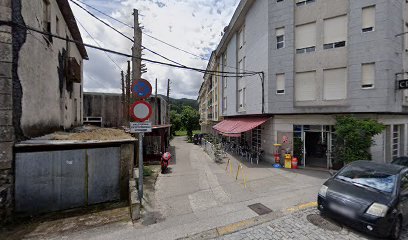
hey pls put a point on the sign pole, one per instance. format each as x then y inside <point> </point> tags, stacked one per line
<point>140,167</point>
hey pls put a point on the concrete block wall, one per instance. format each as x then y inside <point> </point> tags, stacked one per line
<point>6,106</point>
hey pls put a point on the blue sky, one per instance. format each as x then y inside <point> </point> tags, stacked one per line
<point>193,25</point>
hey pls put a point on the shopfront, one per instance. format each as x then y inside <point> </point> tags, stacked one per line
<point>315,144</point>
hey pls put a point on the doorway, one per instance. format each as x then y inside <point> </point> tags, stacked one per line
<point>316,144</point>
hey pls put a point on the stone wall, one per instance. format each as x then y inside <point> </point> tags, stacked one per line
<point>6,105</point>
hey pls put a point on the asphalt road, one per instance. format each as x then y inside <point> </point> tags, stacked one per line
<point>198,194</point>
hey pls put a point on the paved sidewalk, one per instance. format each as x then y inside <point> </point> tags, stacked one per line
<point>296,226</point>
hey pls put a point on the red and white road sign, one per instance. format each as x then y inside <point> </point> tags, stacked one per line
<point>141,111</point>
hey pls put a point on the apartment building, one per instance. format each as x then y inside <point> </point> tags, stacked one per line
<point>209,96</point>
<point>318,59</point>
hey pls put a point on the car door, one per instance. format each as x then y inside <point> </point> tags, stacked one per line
<point>403,195</point>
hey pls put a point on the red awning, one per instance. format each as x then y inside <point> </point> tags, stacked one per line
<point>235,126</point>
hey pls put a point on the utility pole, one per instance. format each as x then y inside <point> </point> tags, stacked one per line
<point>123,98</point>
<point>128,93</point>
<point>137,74</point>
<point>156,106</point>
<point>168,102</point>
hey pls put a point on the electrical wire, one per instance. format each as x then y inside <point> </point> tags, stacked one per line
<point>127,37</point>
<point>89,34</point>
<point>232,74</point>
<point>117,20</point>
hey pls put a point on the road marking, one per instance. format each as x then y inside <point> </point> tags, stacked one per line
<point>302,206</point>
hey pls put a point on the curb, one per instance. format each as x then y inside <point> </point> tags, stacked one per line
<point>244,224</point>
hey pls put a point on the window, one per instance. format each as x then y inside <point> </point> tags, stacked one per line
<point>241,98</point>
<point>47,20</point>
<point>224,64</point>
<point>404,182</point>
<point>306,38</point>
<point>305,86</point>
<point>280,83</point>
<point>57,27</point>
<point>368,75</point>
<point>335,32</point>
<point>368,19</point>
<point>279,0</point>
<point>241,37</point>
<point>406,36</point>
<point>335,84</point>
<point>396,141</point>
<point>304,2</point>
<point>280,38</point>
<point>241,66</point>
<point>224,103</point>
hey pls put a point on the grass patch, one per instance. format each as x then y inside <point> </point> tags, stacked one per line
<point>147,171</point>
<point>183,133</point>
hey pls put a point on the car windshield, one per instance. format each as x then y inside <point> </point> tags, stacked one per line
<point>368,177</point>
<point>401,161</point>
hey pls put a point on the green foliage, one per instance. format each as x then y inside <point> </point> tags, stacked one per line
<point>354,137</point>
<point>190,120</point>
<point>175,120</point>
<point>147,171</point>
<point>298,149</point>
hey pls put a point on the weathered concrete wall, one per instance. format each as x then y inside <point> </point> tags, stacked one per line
<point>49,101</point>
<point>109,106</point>
<point>105,105</point>
<point>6,106</point>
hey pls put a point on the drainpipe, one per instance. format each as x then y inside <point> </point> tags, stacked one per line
<point>262,77</point>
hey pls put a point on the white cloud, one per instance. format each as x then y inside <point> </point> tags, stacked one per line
<point>192,25</point>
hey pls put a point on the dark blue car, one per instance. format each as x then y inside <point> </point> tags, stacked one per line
<point>368,196</point>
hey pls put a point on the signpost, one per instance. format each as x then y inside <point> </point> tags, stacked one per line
<point>140,127</point>
<point>140,112</point>
<point>142,88</point>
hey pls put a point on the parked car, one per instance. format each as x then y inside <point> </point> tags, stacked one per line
<point>401,161</point>
<point>196,139</point>
<point>368,196</point>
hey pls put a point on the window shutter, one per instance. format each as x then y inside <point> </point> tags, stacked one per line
<point>335,81</point>
<point>368,74</point>
<point>305,86</point>
<point>306,36</point>
<point>280,83</point>
<point>368,17</point>
<point>335,29</point>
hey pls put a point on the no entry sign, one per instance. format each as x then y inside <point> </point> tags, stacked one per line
<point>141,111</point>
<point>142,88</point>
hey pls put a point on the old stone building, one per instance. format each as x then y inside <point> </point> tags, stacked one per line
<point>40,78</point>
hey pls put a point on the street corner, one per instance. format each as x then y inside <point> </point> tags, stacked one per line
<point>303,222</point>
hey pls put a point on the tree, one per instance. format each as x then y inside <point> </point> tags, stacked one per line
<point>190,120</point>
<point>354,137</point>
<point>175,120</point>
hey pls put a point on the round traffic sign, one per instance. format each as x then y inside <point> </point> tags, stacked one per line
<point>142,88</point>
<point>141,111</point>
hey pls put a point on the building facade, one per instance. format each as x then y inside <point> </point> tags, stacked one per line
<point>209,96</point>
<point>319,59</point>
<point>40,78</point>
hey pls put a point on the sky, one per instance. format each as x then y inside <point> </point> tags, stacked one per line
<point>192,25</point>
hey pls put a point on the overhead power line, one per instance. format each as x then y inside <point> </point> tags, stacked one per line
<point>230,74</point>
<point>157,39</point>
<point>130,26</point>
<point>127,37</point>
<point>89,34</point>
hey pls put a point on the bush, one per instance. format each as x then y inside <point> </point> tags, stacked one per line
<point>354,137</point>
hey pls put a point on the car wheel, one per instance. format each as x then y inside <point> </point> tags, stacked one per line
<point>396,229</point>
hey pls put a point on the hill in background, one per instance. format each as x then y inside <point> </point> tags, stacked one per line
<point>177,104</point>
